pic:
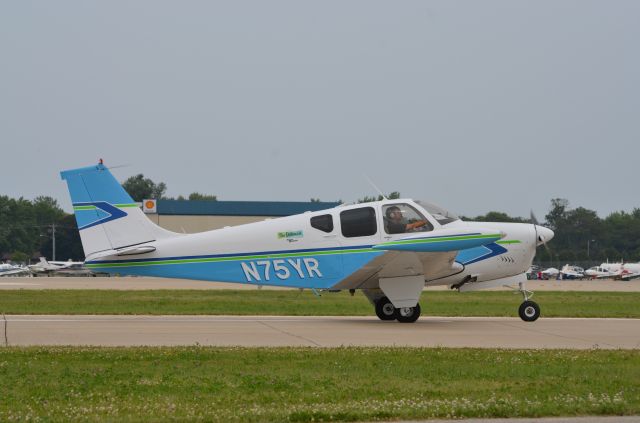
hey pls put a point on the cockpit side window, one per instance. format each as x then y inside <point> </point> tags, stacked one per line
<point>323,222</point>
<point>358,222</point>
<point>400,218</point>
<point>441,215</point>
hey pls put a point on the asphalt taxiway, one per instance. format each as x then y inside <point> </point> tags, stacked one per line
<point>271,331</point>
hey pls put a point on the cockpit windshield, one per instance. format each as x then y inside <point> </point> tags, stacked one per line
<point>441,215</point>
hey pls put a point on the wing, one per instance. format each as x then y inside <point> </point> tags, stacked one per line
<point>431,255</point>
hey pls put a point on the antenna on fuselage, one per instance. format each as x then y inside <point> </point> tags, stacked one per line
<point>374,186</point>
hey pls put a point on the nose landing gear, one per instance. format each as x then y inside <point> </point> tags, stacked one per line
<point>529,311</point>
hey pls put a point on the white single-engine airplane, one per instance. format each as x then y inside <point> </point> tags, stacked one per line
<point>58,267</point>
<point>389,249</point>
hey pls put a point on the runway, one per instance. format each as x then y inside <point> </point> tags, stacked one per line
<point>272,331</point>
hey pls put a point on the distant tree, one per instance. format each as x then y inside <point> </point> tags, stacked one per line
<point>196,196</point>
<point>494,216</point>
<point>557,212</point>
<point>392,196</point>
<point>140,188</point>
<point>622,231</point>
<point>46,210</point>
<point>19,257</point>
<point>68,244</point>
<point>315,200</point>
<point>26,226</point>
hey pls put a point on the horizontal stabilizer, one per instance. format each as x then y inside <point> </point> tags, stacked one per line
<point>442,240</point>
<point>129,251</point>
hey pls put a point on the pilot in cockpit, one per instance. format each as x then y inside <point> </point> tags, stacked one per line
<point>395,223</point>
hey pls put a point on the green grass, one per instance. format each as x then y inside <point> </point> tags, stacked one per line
<point>305,384</point>
<point>295,303</point>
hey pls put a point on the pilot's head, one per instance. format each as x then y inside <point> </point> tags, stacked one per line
<point>394,213</point>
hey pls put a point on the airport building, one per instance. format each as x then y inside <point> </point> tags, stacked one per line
<point>200,216</point>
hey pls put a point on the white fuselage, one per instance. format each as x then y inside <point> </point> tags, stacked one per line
<point>292,251</point>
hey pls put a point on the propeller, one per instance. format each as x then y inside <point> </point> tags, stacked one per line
<point>540,235</point>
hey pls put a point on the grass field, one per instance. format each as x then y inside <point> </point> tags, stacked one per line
<point>300,384</point>
<point>296,303</point>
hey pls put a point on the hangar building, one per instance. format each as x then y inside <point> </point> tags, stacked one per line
<point>199,216</point>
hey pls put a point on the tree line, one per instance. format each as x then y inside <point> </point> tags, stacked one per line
<point>582,236</point>
<point>27,227</point>
<point>141,188</point>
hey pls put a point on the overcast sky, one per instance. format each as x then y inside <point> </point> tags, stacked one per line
<point>474,105</point>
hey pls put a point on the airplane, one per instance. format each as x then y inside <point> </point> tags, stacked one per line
<point>600,272</point>
<point>623,271</point>
<point>58,267</point>
<point>572,272</point>
<point>7,269</point>
<point>550,273</point>
<point>389,249</point>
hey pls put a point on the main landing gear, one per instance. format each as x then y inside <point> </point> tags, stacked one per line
<point>386,311</point>
<point>529,311</point>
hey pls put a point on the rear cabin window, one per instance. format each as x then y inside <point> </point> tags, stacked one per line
<point>358,222</point>
<point>323,223</point>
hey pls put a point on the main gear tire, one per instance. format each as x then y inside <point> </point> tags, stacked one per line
<point>385,309</point>
<point>407,314</point>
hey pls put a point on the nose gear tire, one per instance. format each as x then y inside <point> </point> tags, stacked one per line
<point>529,311</point>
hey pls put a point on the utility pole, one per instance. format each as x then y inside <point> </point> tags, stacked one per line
<point>53,236</point>
<point>589,241</point>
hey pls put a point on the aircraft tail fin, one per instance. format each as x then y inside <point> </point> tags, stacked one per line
<point>107,216</point>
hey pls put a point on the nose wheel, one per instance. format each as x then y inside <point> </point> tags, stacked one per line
<point>529,311</point>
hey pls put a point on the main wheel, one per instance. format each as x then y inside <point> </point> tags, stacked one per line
<point>385,309</point>
<point>529,311</point>
<point>407,314</point>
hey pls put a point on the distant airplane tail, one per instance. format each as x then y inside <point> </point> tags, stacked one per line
<point>108,218</point>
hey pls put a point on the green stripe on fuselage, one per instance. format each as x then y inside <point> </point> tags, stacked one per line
<point>443,239</point>
<point>232,258</point>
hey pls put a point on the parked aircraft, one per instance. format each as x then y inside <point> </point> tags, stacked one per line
<point>389,249</point>
<point>572,272</point>
<point>7,269</point>
<point>58,267</point>
<point>623,271</point>
<point>600,272</point>
<point>550,273</point>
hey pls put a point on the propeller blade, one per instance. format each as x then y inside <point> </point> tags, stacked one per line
<point>533,218</point>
